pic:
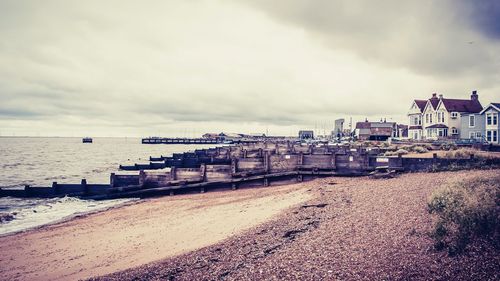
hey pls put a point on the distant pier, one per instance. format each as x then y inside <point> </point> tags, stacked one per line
<point>156,140</point>
<point>180,141</point>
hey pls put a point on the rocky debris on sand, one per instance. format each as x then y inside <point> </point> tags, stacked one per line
<point>357,229</point>
<point>6,217</point>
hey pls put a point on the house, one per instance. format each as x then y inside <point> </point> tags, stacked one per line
<point>415,119</point>
<point>375,130</point>
<point>492,127</point>
<point>402,131</point>
<point>482,126</point>
<point>440,117</point>
<point>306,134</point>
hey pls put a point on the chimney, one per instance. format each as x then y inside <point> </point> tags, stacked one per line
<point>474,96</point>
<point>440,96</point>
<point>434,95</point>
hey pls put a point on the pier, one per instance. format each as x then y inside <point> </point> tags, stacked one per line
<point>180,141</point>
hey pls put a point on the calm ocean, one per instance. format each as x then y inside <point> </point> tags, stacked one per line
<point>41,161</point>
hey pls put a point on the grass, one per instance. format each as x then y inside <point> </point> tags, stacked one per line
<point>467,211</point>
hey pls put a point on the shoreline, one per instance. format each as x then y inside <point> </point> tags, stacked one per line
<point>74,216</point>
<point>138,233</point>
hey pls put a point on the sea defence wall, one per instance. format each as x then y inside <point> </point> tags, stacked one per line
<point>246,165</point>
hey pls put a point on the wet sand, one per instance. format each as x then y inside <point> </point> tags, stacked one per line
<point>137,234</point>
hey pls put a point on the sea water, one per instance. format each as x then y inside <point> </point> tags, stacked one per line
<point>41,161</point>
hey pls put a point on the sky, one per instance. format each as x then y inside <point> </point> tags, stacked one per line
<point>183,68</point>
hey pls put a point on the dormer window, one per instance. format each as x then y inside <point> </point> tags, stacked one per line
<point>454,115</point>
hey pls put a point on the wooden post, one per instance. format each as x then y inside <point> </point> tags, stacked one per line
<point>234,165</point>
<point>267,165</point>
<point>301,158</point>
<point>85,187</point>
<point>300,178</point>
<point>234,186</point>
<point>54,188</point>
<point>112,180</point>
<point>245,153</point>
<point>203,172</point>
<point>173,173</point>
<point>142,178</point>
<point>261,152</point>
<point>266,182</point>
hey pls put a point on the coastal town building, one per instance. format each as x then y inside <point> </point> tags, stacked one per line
<point>306,134</point>
<point>440,117</point>
<point>380,131</point>
<point>483,126</point>
<point>338,130</point>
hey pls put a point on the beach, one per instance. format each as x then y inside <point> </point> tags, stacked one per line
<point>136,234</point>
<point>327,229</point>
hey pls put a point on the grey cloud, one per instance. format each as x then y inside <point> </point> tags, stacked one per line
<point>428,37</point>
<point>164,65</point>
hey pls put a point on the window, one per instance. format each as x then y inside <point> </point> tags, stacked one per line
<point>454,131</point>
<point>495,119</point>
<point>472,135</point>
<point>454,115</point>
<point>478,135</point>
<point>488,119</point>
<point>472,121</point>
<point>488,135</point>
<point>430,117</point>
<point>495,136</point>
<point>426,118</point>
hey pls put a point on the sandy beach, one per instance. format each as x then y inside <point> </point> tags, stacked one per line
<point>133,235</point>
<point>326,229</point>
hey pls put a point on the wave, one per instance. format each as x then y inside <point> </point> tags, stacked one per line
<point>22,214</point>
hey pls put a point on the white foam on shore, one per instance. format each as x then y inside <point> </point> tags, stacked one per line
<point>31,213</point>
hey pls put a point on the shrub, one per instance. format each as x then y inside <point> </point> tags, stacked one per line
<point>466,211</point>
<point>460,153</point>
<point>448,146</point>
<point>397,152</point>
<point>420,149</point>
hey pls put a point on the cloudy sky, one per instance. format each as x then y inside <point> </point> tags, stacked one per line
<point>181,68</point>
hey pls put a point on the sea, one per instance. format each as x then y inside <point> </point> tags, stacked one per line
<point>39,161</point>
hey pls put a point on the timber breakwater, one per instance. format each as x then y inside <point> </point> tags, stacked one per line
<point>246,165</point>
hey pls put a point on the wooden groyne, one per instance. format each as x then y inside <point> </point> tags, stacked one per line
<point>246,165</point>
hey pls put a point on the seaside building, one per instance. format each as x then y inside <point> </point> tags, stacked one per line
<point>306,134</point>
<point>375,130</point>
<point>440,117</point>
<point>483,126</point>
<point>338,130</point>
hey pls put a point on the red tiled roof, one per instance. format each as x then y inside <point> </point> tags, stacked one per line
<point>471,106</point>
<point>421,104</point>
<point>437,126</point>
<point>363,125</point>
<point>434,102</point>
<point>381,131</point>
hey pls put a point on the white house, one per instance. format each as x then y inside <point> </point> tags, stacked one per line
<point>440,117</point>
